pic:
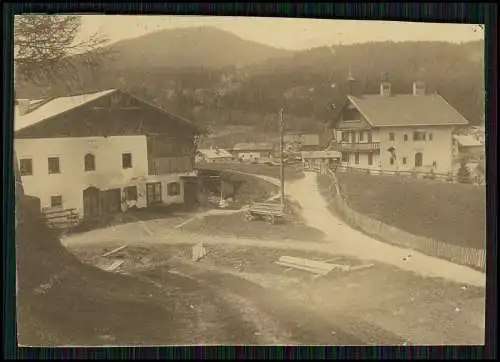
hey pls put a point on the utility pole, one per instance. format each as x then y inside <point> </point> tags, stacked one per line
<point>282,161</point>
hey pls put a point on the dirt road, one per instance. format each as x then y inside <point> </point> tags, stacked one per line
<point>351,242</point>
<point>377,306</point>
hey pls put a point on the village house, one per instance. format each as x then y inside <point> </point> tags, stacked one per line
<point>320,160</point>
<point>397,131</point>
<point>104,152</point>
<point>252,151</point>
<point>213,155</point>
<point>295,141</point>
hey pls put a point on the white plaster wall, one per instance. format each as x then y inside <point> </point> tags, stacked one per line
<point>73,179</point>
<point>440,149</point>
<point>248,155</point>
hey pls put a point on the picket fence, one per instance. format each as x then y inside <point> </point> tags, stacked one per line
<point>457,254</point>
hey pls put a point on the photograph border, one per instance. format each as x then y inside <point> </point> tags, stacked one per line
<point>470,12</point>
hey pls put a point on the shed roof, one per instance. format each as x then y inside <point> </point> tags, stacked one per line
<point>467,141</point>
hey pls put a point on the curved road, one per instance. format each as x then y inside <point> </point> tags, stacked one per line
<point>231,308</point>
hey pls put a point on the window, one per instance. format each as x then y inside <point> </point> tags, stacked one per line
<point>345,137</point>
<point>126,160</point>
<point>345,157</point>
<point>392,136</point>
<point>404,160</point>
<point>431,136</point>
<point>131,193</point>
<point>405,137</point>
<point>54,165</point>
<point>89,161</point>
<point>419,136</point>
<point>26,166</point>
<point>173,189</point>
<point>356,158</point>
<point>361,136</point>
<point>370,159</point>
<point>56,201</point>
<point>153,193</point>
<point>369,137</point>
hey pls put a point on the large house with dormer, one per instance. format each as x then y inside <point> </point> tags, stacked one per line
<point>394,132</point>
<point>103,153</point>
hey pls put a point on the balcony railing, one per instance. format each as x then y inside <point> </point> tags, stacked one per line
<point>358,147</point>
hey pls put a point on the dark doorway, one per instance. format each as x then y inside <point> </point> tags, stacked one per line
<point>111,201</point>
<point>190,192</point>
<point>153,193</point>
<point>419,159</point>
<point>91,202</point>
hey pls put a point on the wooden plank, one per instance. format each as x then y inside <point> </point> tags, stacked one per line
<point>115,265</point>
<point>302,267</point>
<point>114,251</point>
<point>312,263</point>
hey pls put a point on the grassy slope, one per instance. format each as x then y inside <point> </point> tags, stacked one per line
<point>453,213</point>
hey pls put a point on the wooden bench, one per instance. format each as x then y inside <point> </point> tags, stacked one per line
<point>272,213</point>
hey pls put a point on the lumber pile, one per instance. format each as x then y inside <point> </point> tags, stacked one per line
<point>315,266</point>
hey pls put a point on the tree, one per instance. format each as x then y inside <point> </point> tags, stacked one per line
<point>46,45</point>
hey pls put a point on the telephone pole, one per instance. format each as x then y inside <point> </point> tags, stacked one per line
<point>282,161</point>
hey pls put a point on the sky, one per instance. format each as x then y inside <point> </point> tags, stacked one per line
<point>294,34</point>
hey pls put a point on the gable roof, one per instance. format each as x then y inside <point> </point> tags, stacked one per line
<point>215,153</point>
<point>55,107</point>
<point>407,110</point>
<point>47,109</point>
<point>253,146</point>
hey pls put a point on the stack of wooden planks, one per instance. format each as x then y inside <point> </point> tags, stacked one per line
<point>315,266</point>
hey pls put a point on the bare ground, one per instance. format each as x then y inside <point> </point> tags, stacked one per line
<point>380,305</point>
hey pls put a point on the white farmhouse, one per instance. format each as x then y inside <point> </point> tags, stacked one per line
<point>397,131</point>
<point>104,152</point>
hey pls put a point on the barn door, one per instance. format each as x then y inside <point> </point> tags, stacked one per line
<point>91,202</point>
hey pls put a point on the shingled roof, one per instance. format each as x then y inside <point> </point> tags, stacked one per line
<point>407,110</point>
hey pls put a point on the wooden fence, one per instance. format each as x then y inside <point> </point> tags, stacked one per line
<point>60,219</point>
<point>458,254</point>
<point>419,174</point>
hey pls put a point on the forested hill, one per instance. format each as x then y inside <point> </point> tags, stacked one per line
<point>305,82</point>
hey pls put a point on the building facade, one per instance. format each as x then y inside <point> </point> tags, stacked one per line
<point>410,132</point>
<point>252,151</point>
<point>104,153</point>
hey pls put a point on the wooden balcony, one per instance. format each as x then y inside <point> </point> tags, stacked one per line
<point>358,147</point>
<point>170,165</point>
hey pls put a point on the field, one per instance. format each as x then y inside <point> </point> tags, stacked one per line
<point>452,213</point>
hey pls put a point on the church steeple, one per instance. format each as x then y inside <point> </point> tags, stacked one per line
<point>350,81</point>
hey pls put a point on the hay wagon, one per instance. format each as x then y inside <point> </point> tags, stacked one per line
<point>272,213</point>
